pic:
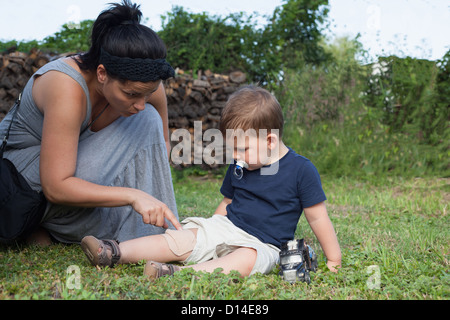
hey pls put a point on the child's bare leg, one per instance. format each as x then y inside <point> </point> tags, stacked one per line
<point>241,260</point>
<point>154,248</point>
<point>147,248</point>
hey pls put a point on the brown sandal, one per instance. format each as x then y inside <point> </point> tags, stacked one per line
<point>155,270</point>
<point>91,246</point>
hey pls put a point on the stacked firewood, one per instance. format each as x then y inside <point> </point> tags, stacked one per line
<point>199,100</point>
<point>15,70</point>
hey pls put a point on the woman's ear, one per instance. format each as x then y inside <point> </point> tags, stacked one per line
<point>102,75</point>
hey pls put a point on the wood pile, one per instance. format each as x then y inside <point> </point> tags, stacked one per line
<point>16,68</point>
<point>190,98</point>
<point>201,98</point>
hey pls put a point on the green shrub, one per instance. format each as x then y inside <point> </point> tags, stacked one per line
<point>290,38</point>
<point>325,92</point>
<point>76,38</point>
<point>329,120</point>
<point>71,38</point>
<point>199,41</point>
<point>406,91</point>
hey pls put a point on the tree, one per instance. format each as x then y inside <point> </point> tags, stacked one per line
<point>296,30</point>
<point>289,40</point>
<point>198,41</point>
<point>70,38</point>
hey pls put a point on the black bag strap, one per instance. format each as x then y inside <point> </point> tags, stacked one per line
<point>5,139</point>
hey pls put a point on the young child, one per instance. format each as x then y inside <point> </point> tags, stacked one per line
<point>265,192</point>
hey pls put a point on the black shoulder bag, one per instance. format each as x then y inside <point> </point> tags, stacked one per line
<point>21,208</point>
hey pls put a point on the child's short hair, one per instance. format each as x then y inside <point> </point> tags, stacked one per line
<point>252,107</point>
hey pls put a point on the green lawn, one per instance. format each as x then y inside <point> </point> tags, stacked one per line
<point>394,236</point>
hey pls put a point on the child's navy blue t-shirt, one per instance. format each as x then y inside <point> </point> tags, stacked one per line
<point>269,206</point>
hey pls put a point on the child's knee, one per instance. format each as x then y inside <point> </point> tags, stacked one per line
<point>249,260</point>
<point>181,242</point>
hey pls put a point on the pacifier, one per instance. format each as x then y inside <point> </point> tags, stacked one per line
<point>238,170</point>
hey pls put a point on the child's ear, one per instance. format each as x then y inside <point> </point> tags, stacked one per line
<point>272,141</point>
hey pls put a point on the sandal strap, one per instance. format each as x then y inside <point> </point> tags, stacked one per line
<point>115,251</point>
<point>164,269</point>
<point>171,269</point>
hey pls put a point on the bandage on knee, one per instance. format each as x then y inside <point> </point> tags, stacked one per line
<point>180,241</point>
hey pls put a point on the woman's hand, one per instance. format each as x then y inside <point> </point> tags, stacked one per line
<point>153,211</point>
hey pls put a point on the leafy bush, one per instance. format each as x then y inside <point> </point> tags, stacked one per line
<point>198,41</point>
<point>290,38</point>
<point>442,103</point>
<point>329,120</point>
<point>311,94</point>
<point>71,38</point>
<point>24,46</point>
<point>407,94</point>
<point>296,29</point>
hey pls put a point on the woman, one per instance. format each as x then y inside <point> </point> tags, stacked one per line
<point>92,133</point>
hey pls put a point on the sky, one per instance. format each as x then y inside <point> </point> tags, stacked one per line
<point>416,28</point>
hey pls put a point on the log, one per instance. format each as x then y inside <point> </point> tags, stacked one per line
<point>16,68</point>
<point>238,77</point>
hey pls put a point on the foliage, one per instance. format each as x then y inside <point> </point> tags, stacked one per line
<point>443,80</point>
<point>327,118</point>
<point>198,41</point>
<point>23,46</point>
<point>290,40</point>
<point>441,123</point>
<point>296,30</point>
<point>361,147</point>
<point>406,94</point>
<point>311,94</point>
<point>71,38</point>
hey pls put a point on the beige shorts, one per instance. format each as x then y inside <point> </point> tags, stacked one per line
<point>218,236</point>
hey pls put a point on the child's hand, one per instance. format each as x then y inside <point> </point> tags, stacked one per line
<point>333,265</point>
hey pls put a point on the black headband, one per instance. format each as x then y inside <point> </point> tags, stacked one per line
<point>137,69</point>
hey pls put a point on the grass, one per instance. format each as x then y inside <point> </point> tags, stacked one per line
<point>359,148</point>
<point>394,235</point>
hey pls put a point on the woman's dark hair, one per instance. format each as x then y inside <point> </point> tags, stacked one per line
<point>118,31</point>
